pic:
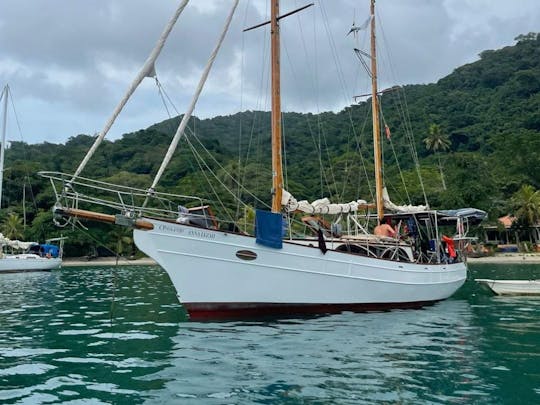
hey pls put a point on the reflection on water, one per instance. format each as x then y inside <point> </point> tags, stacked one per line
<point>59,343</point>
<point>387,357</point>
<point>75,334</point>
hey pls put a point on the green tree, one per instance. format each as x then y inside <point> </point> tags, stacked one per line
<point>526,205</point>
<point>437,141</point>
<point>12,227</point>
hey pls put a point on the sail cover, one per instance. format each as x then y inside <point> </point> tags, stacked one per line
<point>321,206</point>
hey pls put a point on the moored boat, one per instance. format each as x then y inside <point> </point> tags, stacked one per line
<point>511,287</point>
<point>397,257</point>
<point>15,255</point>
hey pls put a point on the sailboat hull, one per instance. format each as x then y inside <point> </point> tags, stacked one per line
<point>27,262</point>
<point>218,274</point>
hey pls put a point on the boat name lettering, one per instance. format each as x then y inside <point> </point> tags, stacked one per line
<point>172,229</point>
<point>201,234</point>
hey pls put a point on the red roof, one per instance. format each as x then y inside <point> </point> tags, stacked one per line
<point>507,220</point>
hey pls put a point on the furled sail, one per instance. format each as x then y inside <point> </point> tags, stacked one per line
<point>401,208</point>
<point>321,206</point>
<point>15,244</point>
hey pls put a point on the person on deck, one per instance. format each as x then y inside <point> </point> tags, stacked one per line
<point>384,229</point>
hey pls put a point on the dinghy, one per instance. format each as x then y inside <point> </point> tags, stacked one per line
<point>511,287</point>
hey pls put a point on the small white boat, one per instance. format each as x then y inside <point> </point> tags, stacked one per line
<point>511,287</point>
<point>32,256</point>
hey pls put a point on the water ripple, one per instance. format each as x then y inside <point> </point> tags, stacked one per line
<point>64,339</point>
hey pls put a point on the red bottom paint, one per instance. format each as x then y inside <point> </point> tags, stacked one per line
<point>236,311</point>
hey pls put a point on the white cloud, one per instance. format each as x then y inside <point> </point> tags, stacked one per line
<point>70,61</point>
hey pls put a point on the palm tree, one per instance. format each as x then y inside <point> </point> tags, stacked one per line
<point>526,203</point>
<point>437,141</point>
<point>12,227</point>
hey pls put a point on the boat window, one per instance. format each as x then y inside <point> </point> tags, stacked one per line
<point>246,255</point>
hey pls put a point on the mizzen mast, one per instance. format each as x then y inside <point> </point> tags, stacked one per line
<point>376,125</point>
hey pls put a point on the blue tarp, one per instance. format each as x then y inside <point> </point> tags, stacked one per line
<point>269,229</point>
<point>45,249</point>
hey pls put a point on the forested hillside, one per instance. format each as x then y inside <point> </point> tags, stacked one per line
<point>476,133</point>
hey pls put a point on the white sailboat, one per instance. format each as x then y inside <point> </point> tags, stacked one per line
<point>228,274</point>
<point>20,262</point>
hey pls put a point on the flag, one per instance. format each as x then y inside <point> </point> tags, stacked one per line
<point>387,131</point>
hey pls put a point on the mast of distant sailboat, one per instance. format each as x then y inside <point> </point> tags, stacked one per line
<point>5,95</point>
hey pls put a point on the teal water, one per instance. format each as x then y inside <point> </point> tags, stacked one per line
<point>98,335</point>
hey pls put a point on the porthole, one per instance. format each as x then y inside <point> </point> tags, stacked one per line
<point>246,255</point>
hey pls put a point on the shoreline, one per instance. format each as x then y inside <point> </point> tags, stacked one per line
<point>507,258</point>
<point>501,258</point>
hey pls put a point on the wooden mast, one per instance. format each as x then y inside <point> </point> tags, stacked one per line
<point>277,170</point>
<point>375,117</point>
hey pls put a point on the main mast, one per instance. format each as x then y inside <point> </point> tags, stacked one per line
<point>376,127</point>
<point>277,170</point>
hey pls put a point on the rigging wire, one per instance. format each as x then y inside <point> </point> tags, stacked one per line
<point>240,133</point>
<point>27,177</point>
<point>199,159</point>
<point>237,183</point>
<point>394,151</point>
<point>329,181</point>
<point>202,163</point>
<point>359,150</point>
<point>180,131</point>
<point>163,95</point>
<point>406,120</point>
<point>255,144</point>
<point>314,80</point>
<point>148,69</point>
<point>340,74</point>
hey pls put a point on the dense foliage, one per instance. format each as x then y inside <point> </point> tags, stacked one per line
<point>475,132</point>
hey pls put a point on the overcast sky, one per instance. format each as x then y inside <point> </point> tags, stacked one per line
<point>69,62</point>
